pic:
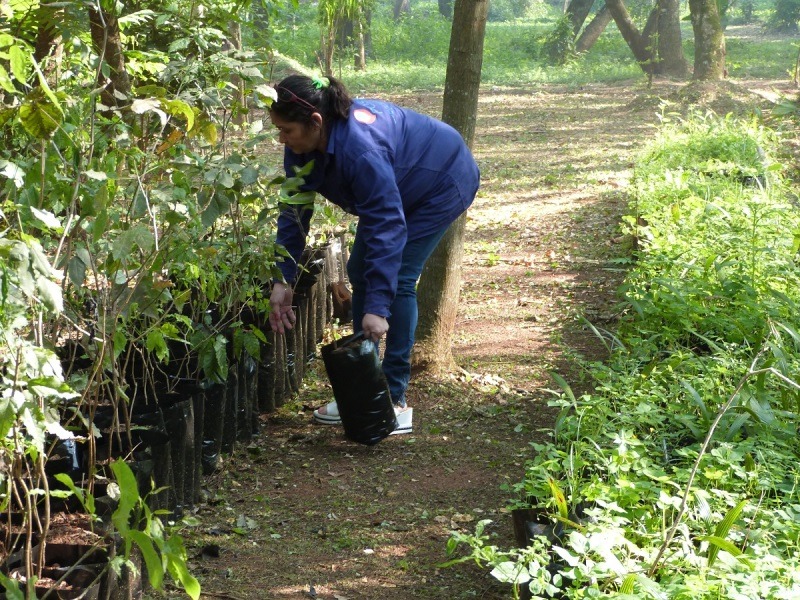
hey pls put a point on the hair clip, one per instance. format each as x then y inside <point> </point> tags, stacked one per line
<point>320,82</point>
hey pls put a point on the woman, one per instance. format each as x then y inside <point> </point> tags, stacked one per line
<point>405,175</point>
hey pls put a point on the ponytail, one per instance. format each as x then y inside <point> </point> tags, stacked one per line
<point>300,96</point>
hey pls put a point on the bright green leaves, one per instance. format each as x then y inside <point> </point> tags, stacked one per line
<point>165,108</point>
<point>291,192</point>
<point>136,524</point>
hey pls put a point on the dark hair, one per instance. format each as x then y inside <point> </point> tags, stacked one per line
<point>297,94</point>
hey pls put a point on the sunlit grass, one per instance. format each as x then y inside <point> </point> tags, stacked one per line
<point>411,54</point>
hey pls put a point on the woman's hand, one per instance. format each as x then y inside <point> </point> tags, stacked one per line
<point>374,326</point>
<point>282,316</point>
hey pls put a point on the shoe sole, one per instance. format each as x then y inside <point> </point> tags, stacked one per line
<point>406,428</point>
<point>327,420</point>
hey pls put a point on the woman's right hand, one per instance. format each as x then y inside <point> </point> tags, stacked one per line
<point>282,316</point>
<point>374,326</point>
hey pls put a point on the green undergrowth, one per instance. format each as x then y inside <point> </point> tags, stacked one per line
<point>411,53</point>
<point>677,476</point>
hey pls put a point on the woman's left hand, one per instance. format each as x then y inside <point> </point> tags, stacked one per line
<point>374,326</point>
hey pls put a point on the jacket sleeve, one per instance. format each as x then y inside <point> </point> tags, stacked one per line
<point>293,225</point>
<point>381,223</point>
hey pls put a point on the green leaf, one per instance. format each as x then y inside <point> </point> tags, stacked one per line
<point>155,567</point>
<point>511,572</point>
<point>219,205</point>
<point>39,115</point>
<point>44,88</point>
<point>12,588</point>
<point>157,344</point>
<point>86,499</point>
<point>221,355</point>
<point>139,237</point>
<point>49,293</point>
<point>721,532</point>
<point>76,270</point>
<point>174,553</point>
<point>20,63</point>
<point>181,108</point>
<point>5,81</point>
<point>627,586</point>
<point>717,543</point>
<point>558,496</point>
<point>249,176</point>
<point>46,217</point>
<point>120,342</point>
<point>252,345</point>
<point>129,495</point>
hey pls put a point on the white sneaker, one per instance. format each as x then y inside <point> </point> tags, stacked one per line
<point>328,414</point>
<point>404,418</point>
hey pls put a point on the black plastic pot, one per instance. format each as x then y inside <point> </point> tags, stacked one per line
<point>266,376</point>
<point>179,420</point>
<point>215,400</point>
<point>231,414</point>
<point>248,398</point>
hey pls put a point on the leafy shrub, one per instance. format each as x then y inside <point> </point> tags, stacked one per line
<point>784,17</point>
<point>558,46</point>
<point>676,477</point>
<point>508,10</point>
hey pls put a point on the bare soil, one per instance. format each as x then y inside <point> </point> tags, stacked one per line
<point>303,513</point>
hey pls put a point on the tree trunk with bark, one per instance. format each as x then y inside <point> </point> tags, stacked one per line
<point>672,62</point>
<point>108,45</point>
<point>401,7</point>
<point>577,11</point>
<point>709,40</point>
<point>440,285</point>
<point>637,42</point>
<point>46,34</point>
<point>592,32</point>
<point>446,9</point>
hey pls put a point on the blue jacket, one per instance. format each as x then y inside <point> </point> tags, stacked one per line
<point>404,174</point>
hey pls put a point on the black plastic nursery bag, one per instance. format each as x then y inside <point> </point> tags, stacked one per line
<point>360,389</point>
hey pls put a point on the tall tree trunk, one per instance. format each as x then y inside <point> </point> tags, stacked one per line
<point>709,40</point>
<point>46,35</point>
<point>591,33</point>
<point>401,7</point>
<point>108,45</point>
<point>578,10</point>
<point>440,285</point>
<point>327,47</point>
<point>672,62</point>
<point>638,43</point>
<point>446,9</point>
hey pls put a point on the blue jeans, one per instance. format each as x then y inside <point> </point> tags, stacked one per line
<point>403,319</point>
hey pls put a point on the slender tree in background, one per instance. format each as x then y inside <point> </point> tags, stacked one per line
<point>591,33</point>
<point>440,285</point>
<point>577,11</point>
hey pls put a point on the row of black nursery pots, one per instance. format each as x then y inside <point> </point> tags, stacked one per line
<point>171,437</point>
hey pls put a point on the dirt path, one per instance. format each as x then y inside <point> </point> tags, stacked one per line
<point>303,513</point>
